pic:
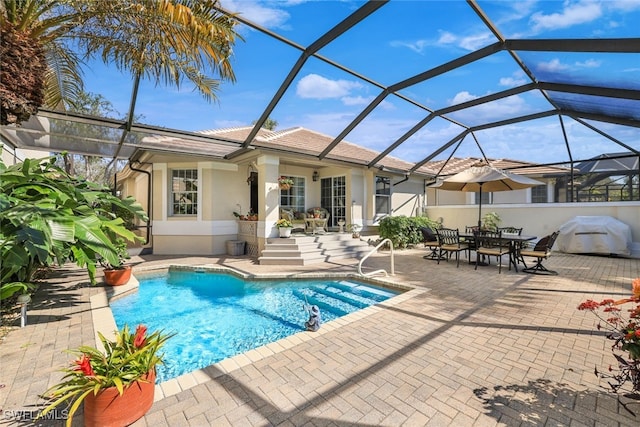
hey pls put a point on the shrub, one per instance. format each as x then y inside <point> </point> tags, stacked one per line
<point>405,231</point>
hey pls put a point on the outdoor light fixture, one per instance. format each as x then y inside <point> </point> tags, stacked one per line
<point>22,301</point>
<point>315,175</point>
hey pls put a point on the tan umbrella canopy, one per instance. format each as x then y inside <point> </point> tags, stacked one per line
<point>485,178</point>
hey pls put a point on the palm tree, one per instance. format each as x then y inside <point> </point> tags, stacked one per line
<point>43,44</point>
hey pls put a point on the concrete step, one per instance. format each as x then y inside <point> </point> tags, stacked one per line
<point>309,249</point>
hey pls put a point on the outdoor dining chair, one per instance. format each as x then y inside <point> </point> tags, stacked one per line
<point>490,243</point>
<point>450,242</point>
<point>541,251</point>
<point>430,240</point>
<point>510,231</point>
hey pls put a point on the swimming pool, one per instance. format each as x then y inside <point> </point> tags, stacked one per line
<point>218,315</point>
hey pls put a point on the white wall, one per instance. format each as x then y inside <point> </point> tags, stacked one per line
<point>539,219</point>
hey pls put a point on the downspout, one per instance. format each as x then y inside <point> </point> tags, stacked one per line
<point>148,226</point>
<point>406,178</point>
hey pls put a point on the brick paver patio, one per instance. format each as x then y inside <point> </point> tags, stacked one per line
<point>464,348</point>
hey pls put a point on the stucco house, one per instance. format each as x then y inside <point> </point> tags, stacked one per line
<point>192,189</point>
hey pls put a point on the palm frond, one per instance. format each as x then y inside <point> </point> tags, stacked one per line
<point>64,84</point>
<point>165,41</point>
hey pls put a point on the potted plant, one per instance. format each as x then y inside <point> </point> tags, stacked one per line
<point>490,221</point>
<point>625,334</point>
<point>284,226</point>
<point>117,274</point>
<point>285,182</point>
<point>116,385</point>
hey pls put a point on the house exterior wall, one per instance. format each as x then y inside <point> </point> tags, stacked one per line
<point>224,189</point>
<point>407,197</point>
<point>221,187</point>
<point>437,198</point>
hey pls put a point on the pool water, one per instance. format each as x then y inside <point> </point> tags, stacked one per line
<point>217,315</point>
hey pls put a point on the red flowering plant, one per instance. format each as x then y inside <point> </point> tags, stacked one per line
<point>127,359</point>
<point>621,318</point>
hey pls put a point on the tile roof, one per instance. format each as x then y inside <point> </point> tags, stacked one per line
<point>303,141</point>
<point>456,165</point>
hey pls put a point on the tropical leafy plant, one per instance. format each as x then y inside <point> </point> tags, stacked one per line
<point>43,44</point>
<point>48,217</point>
<point>126,360</point>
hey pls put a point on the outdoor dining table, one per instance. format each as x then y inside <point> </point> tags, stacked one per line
<point>514,241</point>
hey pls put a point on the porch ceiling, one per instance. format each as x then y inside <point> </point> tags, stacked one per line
<point>607,106</point>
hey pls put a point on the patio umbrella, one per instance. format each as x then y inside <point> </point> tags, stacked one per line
<point>485,178</point>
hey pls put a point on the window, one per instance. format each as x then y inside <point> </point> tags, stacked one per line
<point>383,195</point>
<point>293,198</point>
<point>486,198</point>
<point>539,194</point>
<point>184,192</point>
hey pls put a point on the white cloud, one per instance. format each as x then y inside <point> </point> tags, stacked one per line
<point>623,5</point>
<point>461,97</point>
<point>572,14</point>
<point>263,14</point>
<point>516,79</point>
<point>417,46</point>
<point>476,41</point>
<point>589,63</point>
<point>495,110</point>
<point>315,86</point>
<point>447,38</point>
<point>552,66</point>
<point>469,42</point>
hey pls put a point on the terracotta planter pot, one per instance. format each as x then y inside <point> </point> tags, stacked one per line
<point>285,186</point>
<point>110,409</point>
<point>118,276</point>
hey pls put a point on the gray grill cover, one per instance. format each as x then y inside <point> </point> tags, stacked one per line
<point>595,235</point>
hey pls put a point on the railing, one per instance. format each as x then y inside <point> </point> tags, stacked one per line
<point>381,270</point>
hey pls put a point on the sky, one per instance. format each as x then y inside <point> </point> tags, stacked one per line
<point>398,41</point>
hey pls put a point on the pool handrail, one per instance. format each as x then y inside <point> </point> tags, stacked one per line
<point>381,270</point>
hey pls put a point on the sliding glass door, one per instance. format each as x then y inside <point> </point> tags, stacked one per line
<point>333,194</point>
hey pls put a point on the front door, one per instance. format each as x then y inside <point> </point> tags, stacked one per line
<point>253,182</point>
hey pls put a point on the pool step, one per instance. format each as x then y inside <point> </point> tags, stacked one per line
<point>304,250</point>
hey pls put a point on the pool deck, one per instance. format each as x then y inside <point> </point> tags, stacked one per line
<point>464,347</point>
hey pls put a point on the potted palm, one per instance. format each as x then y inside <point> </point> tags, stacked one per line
<point>116,385</point>
<point>284,227</point>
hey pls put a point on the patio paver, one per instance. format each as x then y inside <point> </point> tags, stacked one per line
<point>465,348</point>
